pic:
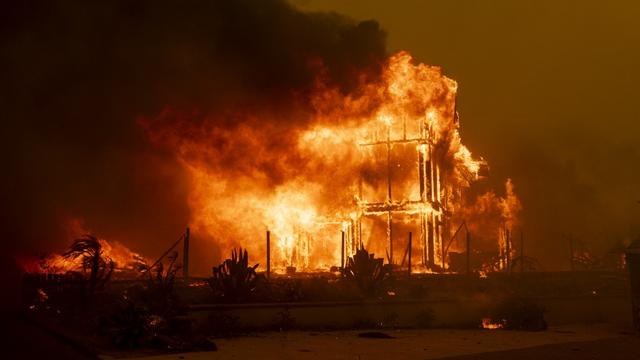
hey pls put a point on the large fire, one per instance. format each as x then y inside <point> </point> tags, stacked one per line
<point>371,166</point>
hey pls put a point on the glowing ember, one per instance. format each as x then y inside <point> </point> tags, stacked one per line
<point>489,324</point>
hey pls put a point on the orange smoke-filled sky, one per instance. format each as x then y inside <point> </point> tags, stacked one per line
<point>547,95</point>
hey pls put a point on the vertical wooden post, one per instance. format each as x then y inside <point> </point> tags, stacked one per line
<point>423,238</point>
<point>508,249</point>
<point>409,263</point>
<point>571,253</point>
<point>342,252</point>
<point>268,253</point>
<point>185,255</point>
<point>521,251</point>
<point>440,237</point>
<point>468,253</point>
<point>359,243</point>
<point>360,231</point>
<point>389,198</point>
<point>352,238</point>
<point>431,252</point>
<point>390,235</point>
<point>423,198</point>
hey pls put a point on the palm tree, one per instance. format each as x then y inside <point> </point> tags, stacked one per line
<point>100,266</point>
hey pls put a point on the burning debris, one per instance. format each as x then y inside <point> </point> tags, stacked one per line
<point>489,324</point>
<point>86,253</point>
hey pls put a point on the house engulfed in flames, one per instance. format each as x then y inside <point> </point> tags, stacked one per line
<point>369,170</point>
<point>368,180</point>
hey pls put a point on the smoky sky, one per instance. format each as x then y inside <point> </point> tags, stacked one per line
<point>548,95</point>
<point>78,77</point>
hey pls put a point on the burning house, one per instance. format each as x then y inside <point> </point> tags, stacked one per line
<point>426,200</point>
<point>370,169</point>
<point>383,168</point>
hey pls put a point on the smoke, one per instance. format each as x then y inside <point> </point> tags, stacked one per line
<point>89,89</point>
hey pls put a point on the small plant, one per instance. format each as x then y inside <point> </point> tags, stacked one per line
<point>164,280</point>
<point>234,280</point>
<point>369,273</point>
<point>160,286</point>
<point>93,260</point>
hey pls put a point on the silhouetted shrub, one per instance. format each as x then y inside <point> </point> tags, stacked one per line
<point>369,273</point>
<point>159,293</point>
<point>234,280</point>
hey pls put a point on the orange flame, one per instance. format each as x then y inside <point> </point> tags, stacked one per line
<point>122,256</point>
<point>335,171</point>
<point>489,324</point>
<point>58,264</point>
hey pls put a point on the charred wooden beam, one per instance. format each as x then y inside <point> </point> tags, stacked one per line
<point>468,272</point>
<point>508,250</point>
<point>423,238</point>
<point>268,253</point>
<point>409,207</point>
<point>389,197</point>
<point>430,243</point>
<point>390,235</point>
<point>521,252</point>
<point>398,141</point>
<point>185,255</point>
<point>409,260</point>
<point>342,252</point>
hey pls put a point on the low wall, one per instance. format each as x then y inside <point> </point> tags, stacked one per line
<point>406,313</point>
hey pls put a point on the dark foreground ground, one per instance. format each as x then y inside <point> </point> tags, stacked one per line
<point>22,339</point>
<point>567,342</point>
<point>623,347</point>
<point>25,340</point>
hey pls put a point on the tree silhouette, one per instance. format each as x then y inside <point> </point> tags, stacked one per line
<point>93,260</point>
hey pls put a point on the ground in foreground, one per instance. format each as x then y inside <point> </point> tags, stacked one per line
<point>566,342</point>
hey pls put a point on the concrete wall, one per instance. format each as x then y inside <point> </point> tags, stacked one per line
<point>424,313</point>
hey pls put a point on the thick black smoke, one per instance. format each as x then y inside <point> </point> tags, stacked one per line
<point>78,77</point>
